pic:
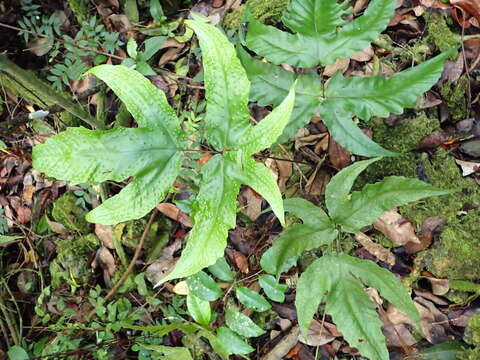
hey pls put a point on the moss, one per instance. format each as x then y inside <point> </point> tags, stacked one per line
<point>455,97</point>
<point>455,255</point>
<point>79,8</point>
<point>439,33</point>
<point>265,11</point>
<point>472,336</point>
<point>68,213</point>
<point>70,265</point>
<point>470,354</point>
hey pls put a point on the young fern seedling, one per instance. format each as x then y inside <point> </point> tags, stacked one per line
<point>153,153</point>
<point>321,36</point>
<point>337,279</point>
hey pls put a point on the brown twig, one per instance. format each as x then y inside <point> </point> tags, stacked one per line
<point>61,40</point>
<point>130,267</point>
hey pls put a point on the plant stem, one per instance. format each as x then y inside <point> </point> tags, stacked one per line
<point>8,320</point>
<point>132,262</point>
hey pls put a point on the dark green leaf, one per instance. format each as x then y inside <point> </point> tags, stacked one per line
<point>333,279</point>
<point>272,288</point>
<point>252,299</point>
<point>221,270</point>
<point>444,351</point>
<point>232,341</point>
<point>204,287</point>
<point>199,309</point>
<point>242,324</point>
<point>367,205</point>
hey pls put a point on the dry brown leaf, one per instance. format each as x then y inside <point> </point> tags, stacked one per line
<point>439,286</point>
<point>468,167</point>
<point>105,234</point>
<point>339,156</point>
<point>284,173</point>
<point>364,55</point>
<point>104,259</point>
<point>174,213</point>
<point>396,228</point>
<point>317,335</point>
<point>240,261</point>
<point>339,65</point>
<point>429,226</point>
<point>284,346</point>
<point>156,271</point>
<point>253,207</point>
<point>375,249</point>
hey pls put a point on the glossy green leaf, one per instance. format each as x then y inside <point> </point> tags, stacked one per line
<point>88,156</point>
<point>214,214</point>
<point>199,309</point>
<point>342,128</point>
<point>271,84</point>
<point>221,270</point>
<point>379,96</point>
<point>317,230</point>
<point>204,287</point>
<point>242,324</point>
<point>233,342</point>
<point>226,88</point>
<point>338,188</point>
<point>367,205</point>
<point>252,299</point>
<point>321,35</point>
<point>334,279</point>
<point>272,288</point>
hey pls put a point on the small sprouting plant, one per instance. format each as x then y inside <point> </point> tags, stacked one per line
<point>321,35</point>
<point>153,153</point>
<point>338,279</point>
<point>138,59</point>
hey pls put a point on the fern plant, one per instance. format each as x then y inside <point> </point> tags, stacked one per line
<point>338,279</point>
<point>321,36</point>
<point>153,153</point>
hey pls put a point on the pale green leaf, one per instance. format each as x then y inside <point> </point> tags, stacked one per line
<point>261,179</point>
<point>242,324</point>
<point>147,104</point>
<point>132,48</point>
<point>7,239</point>
<point>199,309</point>
<point>334,279</point>
<point>214,214</point>
<point>346,133</point>
<point>322,36</point>
<point>367,205</point>
<point>88,156</point>
<point>204,287</point>
<point>272,288</point>
<point>17,353</point>
<point>338,188</point>
<point>271,84</point>
<point>252,299</point>
<point>221,270</point>
<point>152,46</point>
<point>317,230</point>
<point>271,127</point>
<point>226,88</point>
<point>379,96</point>
<point>233,342</point>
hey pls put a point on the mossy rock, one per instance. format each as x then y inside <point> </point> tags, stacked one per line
<point>68,213</point>
<point>265,11</point>
<point>455,255</point>
<point>71,263</point>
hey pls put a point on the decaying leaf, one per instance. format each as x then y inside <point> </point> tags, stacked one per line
<point>105,234</point>
<point>375,249</point>
<point>399,230</point>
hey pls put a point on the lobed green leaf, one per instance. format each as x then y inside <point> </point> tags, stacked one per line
<point>334,280</point>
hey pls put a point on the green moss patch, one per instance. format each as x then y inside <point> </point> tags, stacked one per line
<point>265,11</point>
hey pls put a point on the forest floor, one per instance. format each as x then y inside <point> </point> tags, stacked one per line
<point>56,268</point>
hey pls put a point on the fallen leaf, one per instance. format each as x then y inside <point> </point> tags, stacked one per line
<point>104,259</point>
<point>375,249</point>
<point>174,213</point>
<point>429,226</point>
<point>339,65</point>
<point>253,206</point>
<point>439,286</point>
<point>284,173</point>
<point>317,335</point>
<point>364,55</point>
<point>105,234</point>
<point>156,271</point>
<point>468,167</point>
<point>399,230</point>
<point>279,351</point>
<point>339,156</point>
